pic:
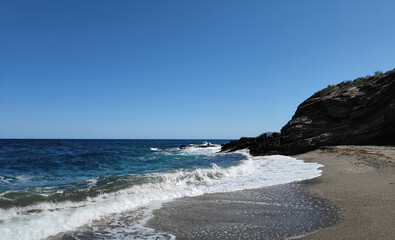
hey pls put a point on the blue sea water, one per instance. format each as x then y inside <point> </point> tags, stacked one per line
<point>49,187</point>
<point>37,163</point>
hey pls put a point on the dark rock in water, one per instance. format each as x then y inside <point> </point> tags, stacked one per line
<point>358,112</point>
<point>204,145</point>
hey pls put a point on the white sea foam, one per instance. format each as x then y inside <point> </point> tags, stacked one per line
<point>207,151</point>
<point>92,182</point>
<point>154,149</point>
<point>4,180</point>
<point>131,226</point>
<point>19,178</point>
<point>46,219</point>
<point>24,178</point>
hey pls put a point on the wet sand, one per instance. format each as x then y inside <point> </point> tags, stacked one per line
<point>274,212</point>
<point>353,199</point>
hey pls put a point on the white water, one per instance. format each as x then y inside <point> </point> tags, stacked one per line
<point>45,219</point>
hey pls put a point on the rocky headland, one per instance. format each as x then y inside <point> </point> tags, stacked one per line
<point>359,112</point>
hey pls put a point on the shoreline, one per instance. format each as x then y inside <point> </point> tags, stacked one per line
<point>357,185</point>
<point>360,180</point>
<point>272,212</point>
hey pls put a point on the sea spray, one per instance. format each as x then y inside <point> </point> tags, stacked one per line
<point>47,218</point>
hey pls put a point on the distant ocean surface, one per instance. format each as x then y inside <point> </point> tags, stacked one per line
<point>107,189</point>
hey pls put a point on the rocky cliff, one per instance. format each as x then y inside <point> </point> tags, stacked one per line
<point>355,112</point>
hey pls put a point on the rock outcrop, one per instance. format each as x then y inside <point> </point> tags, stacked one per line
<point>204,145</point>
<point>358,112</point>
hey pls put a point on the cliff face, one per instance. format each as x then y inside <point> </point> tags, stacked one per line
<point>353,113</point>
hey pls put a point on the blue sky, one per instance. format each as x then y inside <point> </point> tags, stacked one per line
<point>179,69</point>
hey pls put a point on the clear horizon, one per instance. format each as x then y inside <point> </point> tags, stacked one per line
<point>159,139</point>
<point>179,69</point>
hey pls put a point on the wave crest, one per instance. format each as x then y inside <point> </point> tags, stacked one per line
<point>49,218</point>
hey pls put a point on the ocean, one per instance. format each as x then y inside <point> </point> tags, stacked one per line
<point>107,189</point>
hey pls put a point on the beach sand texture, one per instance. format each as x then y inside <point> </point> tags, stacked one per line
<point>353,199</point>
<point>361,181</point>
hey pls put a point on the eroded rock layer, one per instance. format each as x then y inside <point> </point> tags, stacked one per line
<point>355,112</point>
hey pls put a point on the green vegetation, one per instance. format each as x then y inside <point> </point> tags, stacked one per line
<point>351,83</point>
<point>378,74</point>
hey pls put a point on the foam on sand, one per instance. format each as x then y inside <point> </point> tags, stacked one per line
<point>49,218</point>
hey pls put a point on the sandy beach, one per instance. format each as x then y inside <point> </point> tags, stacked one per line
<point>353,199</point>
<point>361,181</point>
